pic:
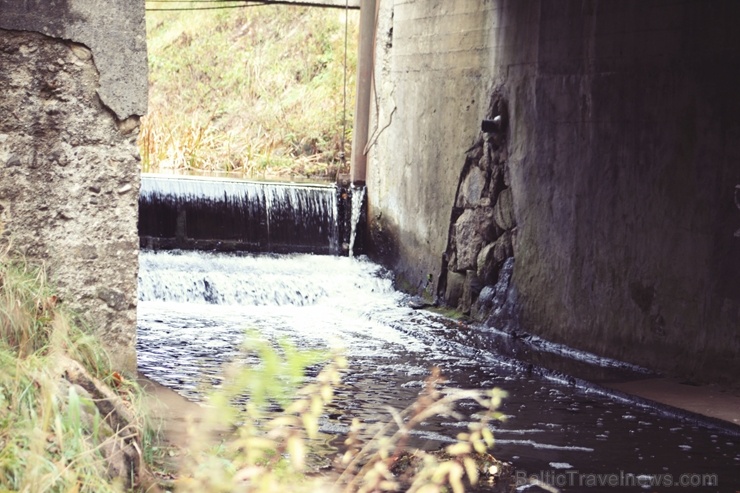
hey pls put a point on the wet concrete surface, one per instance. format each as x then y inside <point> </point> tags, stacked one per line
<point>710,401</point>
<point>564,424</point>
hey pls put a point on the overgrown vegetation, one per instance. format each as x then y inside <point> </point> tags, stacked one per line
<point>257,91</point>
<point>53,436</point>
<point>278,425</point>
<point>70,424</point>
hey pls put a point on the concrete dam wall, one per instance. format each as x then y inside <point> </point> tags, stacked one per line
<point>235,215</point>
<point>74,83</point>
<point>612,180</point>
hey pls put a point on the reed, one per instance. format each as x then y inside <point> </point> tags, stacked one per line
<point>53,437</point>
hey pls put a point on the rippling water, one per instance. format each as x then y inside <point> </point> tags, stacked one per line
<point>195,307</point>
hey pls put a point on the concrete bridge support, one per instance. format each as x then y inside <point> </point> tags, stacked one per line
<point>622,161</point>
<point>74,82</point>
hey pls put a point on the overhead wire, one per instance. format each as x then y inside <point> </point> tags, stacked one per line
<point>344,97</point>
<point>237,4</point>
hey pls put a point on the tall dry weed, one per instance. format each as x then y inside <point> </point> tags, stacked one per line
<point>251,91</point>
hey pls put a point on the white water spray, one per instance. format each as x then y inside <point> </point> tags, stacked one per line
<point>358,196</point>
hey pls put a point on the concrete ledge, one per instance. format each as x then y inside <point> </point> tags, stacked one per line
<point>710,401</point>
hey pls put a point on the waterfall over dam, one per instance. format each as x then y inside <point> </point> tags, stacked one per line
<point>196,213</point>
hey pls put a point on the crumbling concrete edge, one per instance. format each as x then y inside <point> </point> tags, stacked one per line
<point>116,36</point>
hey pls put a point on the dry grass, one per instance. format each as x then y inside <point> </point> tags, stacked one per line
<point>52,434</point>
<point>270,449</point>
<point>255,91</point>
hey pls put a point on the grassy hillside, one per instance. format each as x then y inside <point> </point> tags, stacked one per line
<point>254,90</point>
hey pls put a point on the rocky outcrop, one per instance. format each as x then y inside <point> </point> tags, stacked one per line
<point>483,223</point>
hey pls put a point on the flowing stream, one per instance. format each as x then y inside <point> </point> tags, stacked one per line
<point>194,309</point>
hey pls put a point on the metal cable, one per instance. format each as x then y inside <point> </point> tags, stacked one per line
<point>344,98</point>
<point>249,3</point>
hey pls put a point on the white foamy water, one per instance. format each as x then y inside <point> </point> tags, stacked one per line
<point>195,309</point>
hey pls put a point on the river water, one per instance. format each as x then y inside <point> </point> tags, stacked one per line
<point>194,309</point>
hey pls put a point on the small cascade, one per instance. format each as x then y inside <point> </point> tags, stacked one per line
<point>358,199</point>
<point>203,278</point>
<point>196,309</point>
<point>235,215</point>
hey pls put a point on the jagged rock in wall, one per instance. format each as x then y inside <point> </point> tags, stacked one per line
<point>69,182</point>
<point>493,256</point>
<point>482,224</point>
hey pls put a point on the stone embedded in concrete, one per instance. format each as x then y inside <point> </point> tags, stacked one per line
<point>481,308</point>
<point>475,229</point>
<point>503,248</point>
<point>496,183</point>
<point>477,152</point>
<point>468,240</point>
<point>484,262</point>
<point>492,257</point>
<point>503,211</point>
<point>471,289</point>
<point>13,160</point>
<point>486,223</point>
<point>454,289</point>
<point>114,299</point>
<point>471,189</point>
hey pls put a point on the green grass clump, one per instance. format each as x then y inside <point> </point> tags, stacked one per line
<point>33,323</point>
<point>52,435</point>
<point>258,91</point>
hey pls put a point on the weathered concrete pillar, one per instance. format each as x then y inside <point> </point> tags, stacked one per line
<point>74,79</point>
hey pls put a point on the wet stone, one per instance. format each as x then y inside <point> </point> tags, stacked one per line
<point>471,188</point>
<point>503,211</point>
<point>482,307</point>
<point>454,291</point>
